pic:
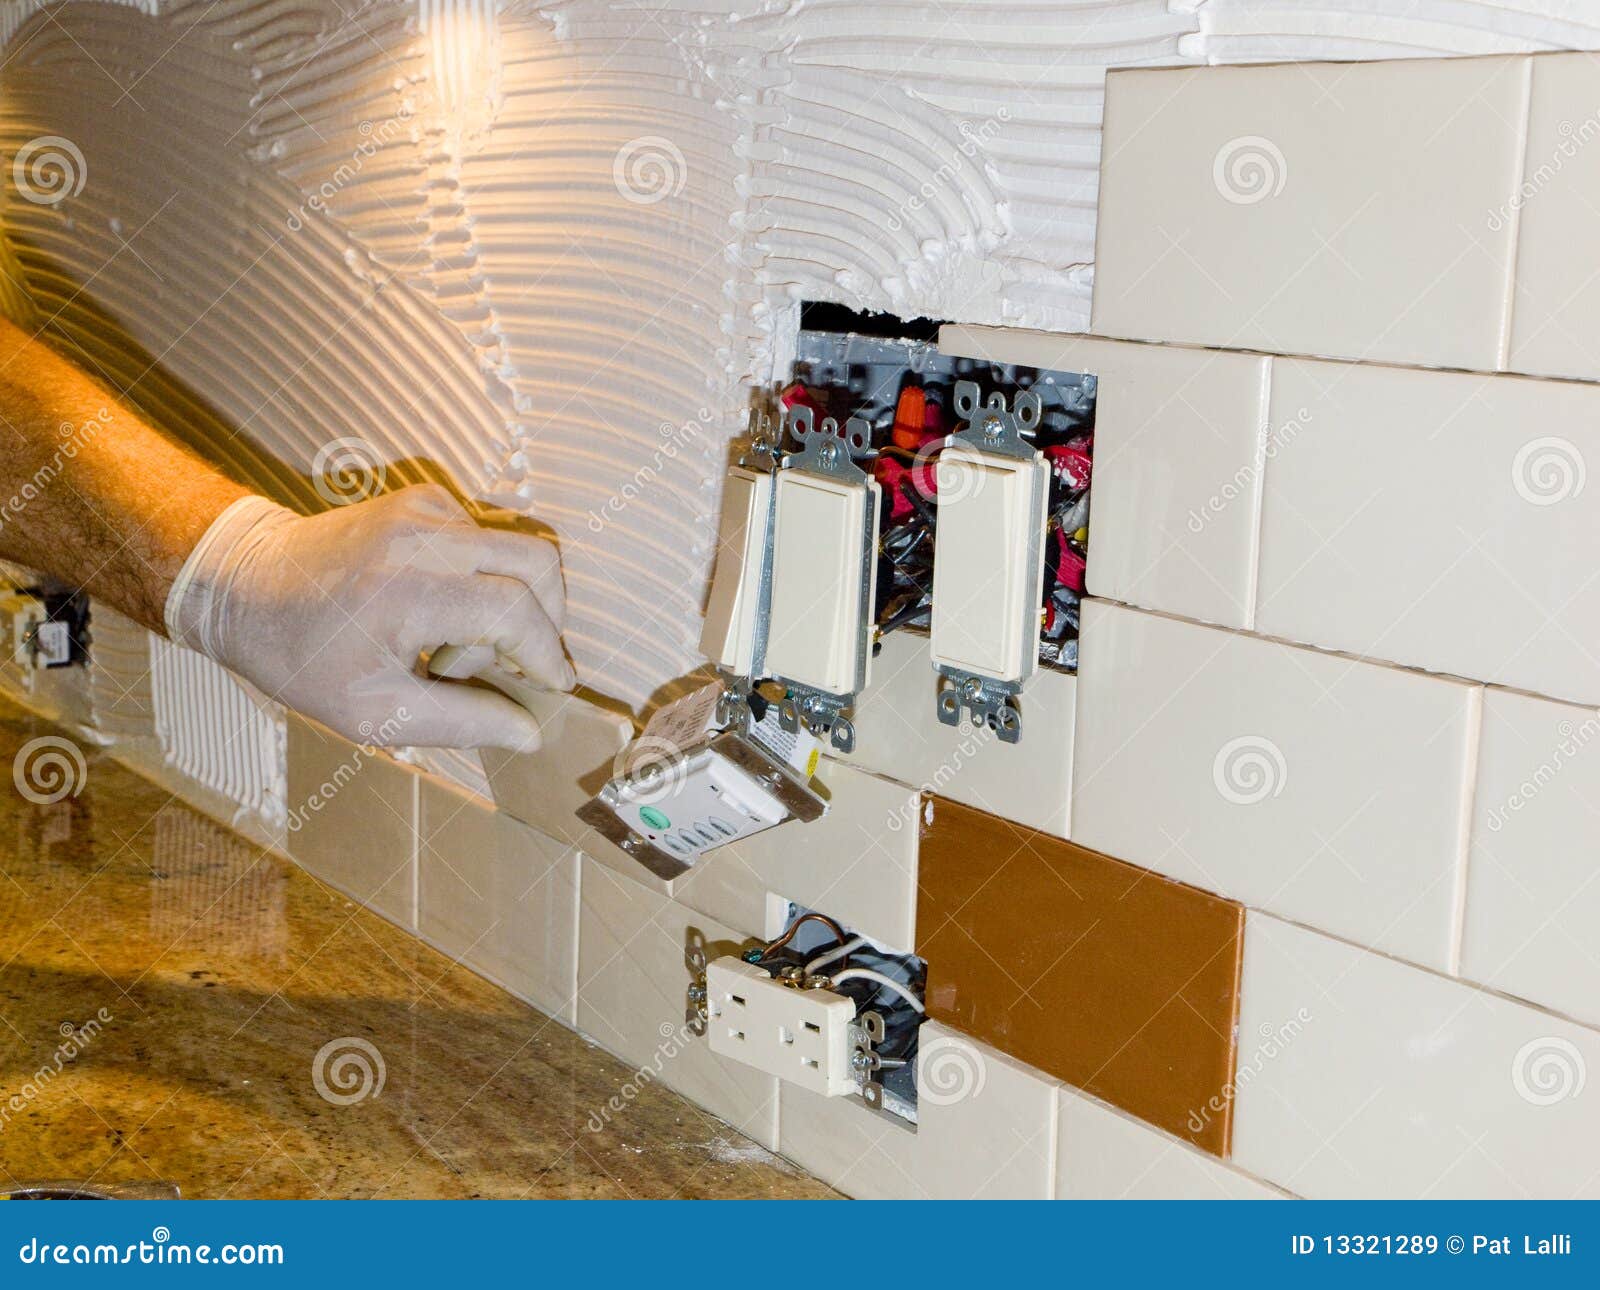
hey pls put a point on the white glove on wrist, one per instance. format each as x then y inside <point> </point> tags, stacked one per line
<point>329,613</point>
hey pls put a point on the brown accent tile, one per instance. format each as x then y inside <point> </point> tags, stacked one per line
<point>1107,976</point>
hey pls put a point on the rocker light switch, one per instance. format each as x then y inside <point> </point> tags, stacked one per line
<point>818,605</point>
<point>988,567</point>
<point>988,560</point>
<point>728,638</point>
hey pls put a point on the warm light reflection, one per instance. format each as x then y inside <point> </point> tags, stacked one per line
<point>463,58</point>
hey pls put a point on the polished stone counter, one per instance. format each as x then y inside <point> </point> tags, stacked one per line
<point>166,989</point>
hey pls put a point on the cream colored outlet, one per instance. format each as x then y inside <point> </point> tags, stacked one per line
<point>801,1036</point>
<point>728,638</point>
<point>988,565</point>
<point>824,576</point>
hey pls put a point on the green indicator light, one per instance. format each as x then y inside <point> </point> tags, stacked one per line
<point>654,818</point>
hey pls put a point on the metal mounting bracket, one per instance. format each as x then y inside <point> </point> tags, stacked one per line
<point>992,703</point>
<point>763,450</point>
<point>992,427</point>
<point>828,449</point>
<point>696,1007</point>
<point>866,1033</point>
<point>820,713</point>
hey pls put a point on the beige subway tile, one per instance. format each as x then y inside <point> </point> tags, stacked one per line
<point>1361,1076</point>
<point>1180,439</point>
<point>1337,209</point>
<point>353,819</point>
<point>1533,884</point>
<point>1320,788</point>
<point>633,983</point>
<point>499,896</point>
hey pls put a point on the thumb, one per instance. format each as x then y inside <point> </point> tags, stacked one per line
<point>458,714</point>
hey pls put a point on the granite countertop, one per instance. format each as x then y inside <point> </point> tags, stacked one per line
<point>166,988</point>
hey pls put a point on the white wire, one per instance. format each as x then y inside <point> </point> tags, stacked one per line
<point>867,974</point>
<point>837,952</point>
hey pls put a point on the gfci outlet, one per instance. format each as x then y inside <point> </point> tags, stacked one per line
<point>799,1035</point>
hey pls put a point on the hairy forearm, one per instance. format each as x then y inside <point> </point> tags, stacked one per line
<point>90,492</point>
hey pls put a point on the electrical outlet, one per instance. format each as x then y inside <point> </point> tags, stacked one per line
<point>800,1035</point>
<point>36,640</point>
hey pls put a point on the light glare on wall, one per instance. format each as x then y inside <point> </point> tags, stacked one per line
<point>463,59</point>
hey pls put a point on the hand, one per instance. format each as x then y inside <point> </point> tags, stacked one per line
<point>328,614</point>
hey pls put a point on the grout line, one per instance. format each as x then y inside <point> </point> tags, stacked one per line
<point>1508,290</point>
<point>1258,504</point>
<point>1469,800</point>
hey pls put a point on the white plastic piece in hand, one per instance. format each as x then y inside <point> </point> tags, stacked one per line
<point>988,564</point>
<point>802,1036</point>
<point>482,663</point>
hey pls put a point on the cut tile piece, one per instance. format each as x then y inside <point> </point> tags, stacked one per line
<point>1439,520</point>
<point>899,735</point>
<point>1338,209</point>
<point>500,897</point>
<point>1533,888</point>
<point>1113,979</point>
<point>986,1130</point>
<point>633,984</point>
<point>857,863</point>
<point>1104,1154</point>
<point>546,788</point>
<point>1371,1078</point>
<point>1555,305</point>
<point>1179,439</point>
<point>1330,791</point>
<point>353,819</point>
